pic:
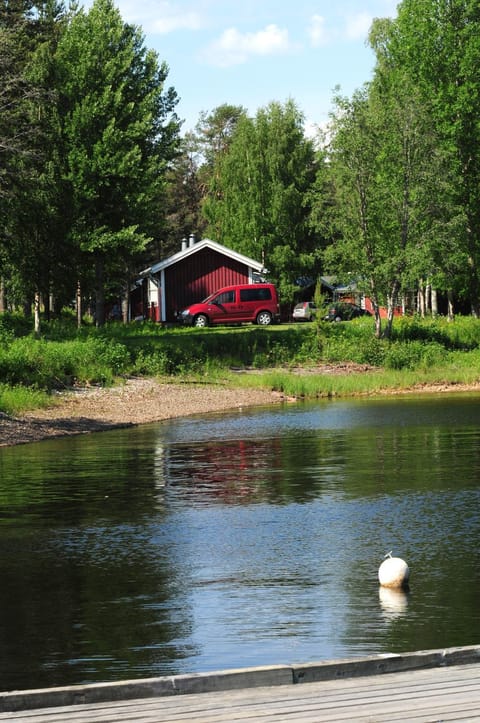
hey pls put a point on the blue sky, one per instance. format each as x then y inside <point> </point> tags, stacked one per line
<point>252,52</point>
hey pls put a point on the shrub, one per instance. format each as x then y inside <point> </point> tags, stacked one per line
<point>464,333</point>
<point>48,364</point>
<point>96,359</point>
<point>413,355</point>
<point>66,355</point>
<point>362,349</point>
<point>6,333</point>
<point>17,324</point>
<point>151,364</point>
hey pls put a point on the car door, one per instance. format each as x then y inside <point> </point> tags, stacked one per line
<point>223,308</point>
<point>253,299</point>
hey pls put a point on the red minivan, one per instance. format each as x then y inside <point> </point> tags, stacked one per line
<point>257,303</point>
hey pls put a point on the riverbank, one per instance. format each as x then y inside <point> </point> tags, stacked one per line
<point>137,401</point>
<point>144,400</point>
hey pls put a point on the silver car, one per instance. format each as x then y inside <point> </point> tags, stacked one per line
<point>305,311</point>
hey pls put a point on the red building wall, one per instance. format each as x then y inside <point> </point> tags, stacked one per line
<point>398,311</point>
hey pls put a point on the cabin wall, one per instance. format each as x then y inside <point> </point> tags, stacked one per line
<point>199,275</point>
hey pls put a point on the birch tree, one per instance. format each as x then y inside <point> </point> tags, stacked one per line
<point>258,203</point>
<point>379,158</point>
<point>437,42</point>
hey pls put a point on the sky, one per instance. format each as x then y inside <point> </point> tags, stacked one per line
<point>253,52</point>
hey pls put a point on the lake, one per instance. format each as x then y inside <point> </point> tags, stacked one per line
<point>240,539</point>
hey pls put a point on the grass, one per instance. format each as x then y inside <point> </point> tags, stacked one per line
<point>19,399</point>
<point>421,351</point>
<point>315,386</point>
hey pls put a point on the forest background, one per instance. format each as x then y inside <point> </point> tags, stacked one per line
<point>96,180</point>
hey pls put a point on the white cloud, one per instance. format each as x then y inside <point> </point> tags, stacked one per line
<point>169,23</point>
<point>159,17</point>
<point>353,27</point>
<point>235,48</point>
<point>317,31</point>
<point>357,26</point>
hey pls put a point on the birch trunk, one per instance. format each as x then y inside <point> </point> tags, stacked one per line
<point>36,313</point>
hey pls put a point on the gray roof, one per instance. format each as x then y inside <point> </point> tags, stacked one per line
<point>334,284</point>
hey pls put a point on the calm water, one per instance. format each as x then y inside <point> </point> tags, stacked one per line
<point>246,539</point>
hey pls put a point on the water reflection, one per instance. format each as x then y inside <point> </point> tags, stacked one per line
<point>242,539</point>
<point>394,603</point>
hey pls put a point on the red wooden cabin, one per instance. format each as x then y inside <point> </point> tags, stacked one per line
<point>190,275</point>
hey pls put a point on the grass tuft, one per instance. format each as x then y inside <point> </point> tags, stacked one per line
<point>19,399</point>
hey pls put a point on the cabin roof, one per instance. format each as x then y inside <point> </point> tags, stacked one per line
<point>198,246</point>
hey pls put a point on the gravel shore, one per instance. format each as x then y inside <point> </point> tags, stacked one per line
<point>135,402</point>
<point>138,401</point>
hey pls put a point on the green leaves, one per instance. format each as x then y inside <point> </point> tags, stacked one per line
<point>437,43</point>
<point>258,192</point>
<point>127,240</point>
<point>120,134</point>
<point>403,167</point>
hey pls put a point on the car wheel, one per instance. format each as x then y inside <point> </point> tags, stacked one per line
<point>201,321</point>
<point>264,318</point>
<point>338,318</point>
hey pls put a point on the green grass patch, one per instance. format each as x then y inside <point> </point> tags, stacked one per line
<point>457,368</point>
<point>16,400</point>
<point>48,365</point>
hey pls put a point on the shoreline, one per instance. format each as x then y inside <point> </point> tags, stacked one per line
<point>147,400</point>
<point>137,401</point>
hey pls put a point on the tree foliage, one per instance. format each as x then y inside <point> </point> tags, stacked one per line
<point>94,179</point>
<point>437,42</point>
<point>258,190</point>
<point>117,137</point>
<point>183,196</point>
<point>87,132</point>
<point>30,179</point>
<point>403,160</point>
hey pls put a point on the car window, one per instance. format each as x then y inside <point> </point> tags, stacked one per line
<point>227,297</point>
<point>255,294</point>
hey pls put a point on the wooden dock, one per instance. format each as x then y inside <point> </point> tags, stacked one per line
<point>449,692</point>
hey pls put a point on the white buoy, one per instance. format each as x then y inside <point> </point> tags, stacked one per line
<point>393,572</point>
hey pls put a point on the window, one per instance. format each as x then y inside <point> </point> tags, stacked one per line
<point>255,294</point>
<point>228,297</point>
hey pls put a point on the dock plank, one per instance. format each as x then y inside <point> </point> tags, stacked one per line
<point>450,693</point>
